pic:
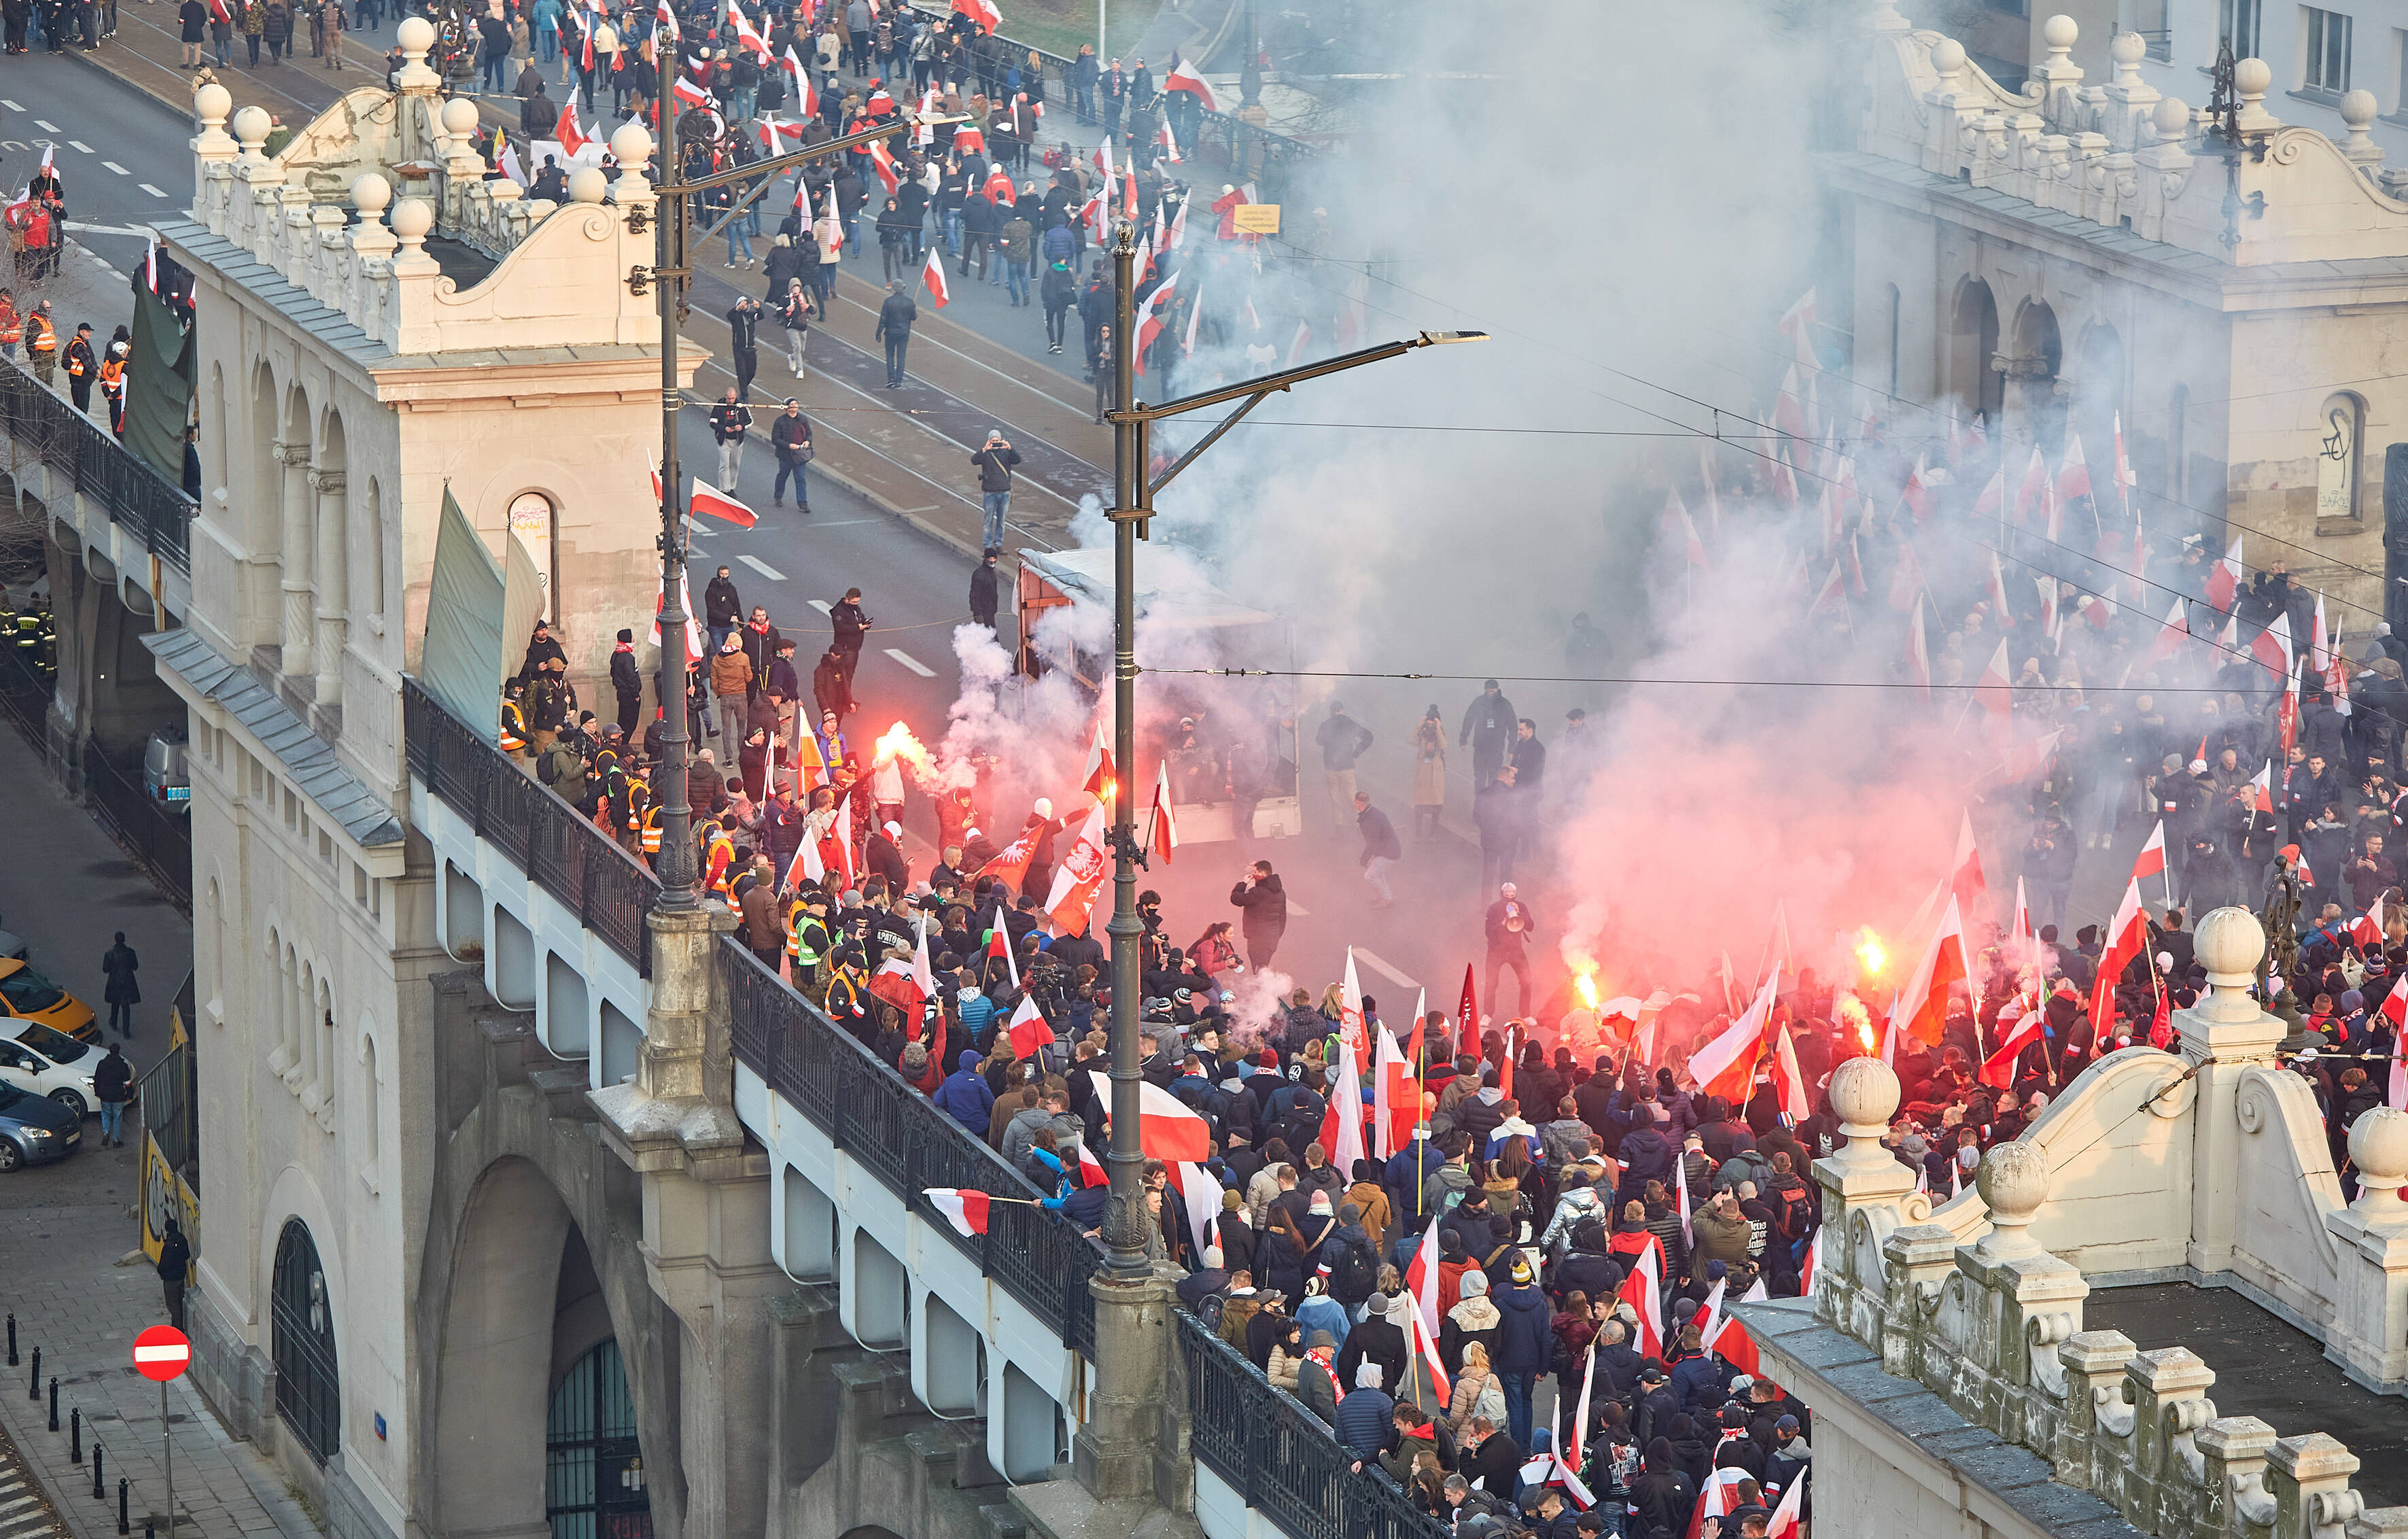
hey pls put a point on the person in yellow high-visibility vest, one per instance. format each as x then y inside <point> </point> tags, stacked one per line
<point>806,936</point>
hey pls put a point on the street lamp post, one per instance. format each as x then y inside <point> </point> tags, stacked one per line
<point>1133,486</point>
<point>1250,73</point>
<point>677,863</point>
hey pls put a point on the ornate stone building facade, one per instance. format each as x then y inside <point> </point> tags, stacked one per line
<point>2090,251</point>
<point>378,325</point>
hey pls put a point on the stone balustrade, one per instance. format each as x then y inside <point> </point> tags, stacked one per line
<point>344,210</point>
<point>1995,1327</point>
<point>2118,153</point>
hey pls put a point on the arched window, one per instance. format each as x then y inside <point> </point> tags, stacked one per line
<point>309,1390</point>
<point>2339,426</point>
<point>534,520</point>
<point>593,1470</point>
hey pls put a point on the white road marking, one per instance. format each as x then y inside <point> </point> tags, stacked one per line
<point>112,166</point>
<point>912,663</point>
<point>772,573</point>
<point>1373,958</point>
<point>46,125</point>
<point>152,191</point>
<point>821,605</point>
<point>1295,907</point>
<point>9,105</point>
<point>80,147</point>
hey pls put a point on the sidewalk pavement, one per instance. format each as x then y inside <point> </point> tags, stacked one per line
<point>64,1226</point>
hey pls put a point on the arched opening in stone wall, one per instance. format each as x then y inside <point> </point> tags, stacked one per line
<point>308,1383</point>
<point>534,1424</point>
<point>2037,361</point>
<point>1972,343</point>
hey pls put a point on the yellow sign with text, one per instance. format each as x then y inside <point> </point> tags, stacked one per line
<point>1257,217</point>
<point>164,1196</point>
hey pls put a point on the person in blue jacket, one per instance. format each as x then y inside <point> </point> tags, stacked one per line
<point>966,1096</point>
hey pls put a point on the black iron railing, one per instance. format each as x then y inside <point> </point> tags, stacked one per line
<point>160,840</point>
<point>139,500</point>
<point>610,892</point>
<point>898,1135</point>
<point>1280,1456</point>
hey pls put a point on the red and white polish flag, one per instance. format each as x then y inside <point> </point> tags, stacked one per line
<point>965,1209</point>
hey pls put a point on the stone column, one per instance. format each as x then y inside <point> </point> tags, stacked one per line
<point>706,1235</point>
<point>2221,1037</point>
<point>334,601</point>
<point>299,537</point>
<point>1863,1178</point>
<point>1130,1449</point>
<point>2369,1332</point>
<point>2036,1296</point>
<point>2310,1478</point>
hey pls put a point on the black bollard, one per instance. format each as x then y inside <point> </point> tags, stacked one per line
<point>34,1379</point>
<point>97,1494</point>
<point>75,1436</point>
<point>123,1488</point>
<point>12,1338</point>
<point>55,1402</point>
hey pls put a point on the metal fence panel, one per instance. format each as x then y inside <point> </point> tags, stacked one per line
<point>138,499</point>
<point>578,863</point>
<point>1279,1456</point>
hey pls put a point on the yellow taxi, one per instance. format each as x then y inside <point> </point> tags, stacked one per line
<point>26,994</point>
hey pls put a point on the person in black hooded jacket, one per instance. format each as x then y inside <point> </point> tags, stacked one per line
<point>1646,1156</point>
<point>1662,1495</point>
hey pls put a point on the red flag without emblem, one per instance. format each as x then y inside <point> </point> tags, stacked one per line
<point>2224,577</point>
<point>2151,861</point>
<point>1466,1013</point>
<point>1726,1066</point>
<point>1922,1010</point>
<point>1030,1029</point>
<point>2127,938</point>
<point>965,1209</point>
<point>1162,836</point>
<point>2172,634</point>
<point>1642,1292</point>
<point>718,504</point>
<point>1182,78</point>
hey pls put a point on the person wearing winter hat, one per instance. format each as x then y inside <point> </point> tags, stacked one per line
<point>1474,1318</point>
<point>626,681</point>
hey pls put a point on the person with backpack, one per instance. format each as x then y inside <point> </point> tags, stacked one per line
<point>1474,1319</point>
<point>1351,1262</point>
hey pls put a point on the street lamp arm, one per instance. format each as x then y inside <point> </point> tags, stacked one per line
<point>1257,399</point>
<point>1288,377</point>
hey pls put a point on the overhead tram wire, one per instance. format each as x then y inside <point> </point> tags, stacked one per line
<point>1691,683</point>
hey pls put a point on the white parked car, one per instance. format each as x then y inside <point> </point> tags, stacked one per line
<point>54,1064</point>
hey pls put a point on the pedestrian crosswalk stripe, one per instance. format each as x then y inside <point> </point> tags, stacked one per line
<point>912,663</point>
<point>1373,960</point>
<point>80,147</point>
<point>9,105</point>
<point>154,192</point>
<point>112,166</point>
<point>821,605</point>
<point>46,125</point>
<point>772,573</point>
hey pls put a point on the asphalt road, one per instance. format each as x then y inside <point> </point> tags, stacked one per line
<point>915,587</point>
<point>123,158</point>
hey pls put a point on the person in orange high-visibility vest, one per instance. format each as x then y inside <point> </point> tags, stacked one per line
<point>41,341</point>
<point>112,386</point>
<point>13,325</point>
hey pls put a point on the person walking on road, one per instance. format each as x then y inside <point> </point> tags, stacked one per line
<point>895,318</point>
<point>119,964</point>
<point>113,1081</point>
<point>743,346</point>
<point>175,1265</point>
<point>794,315</point>
<point>193,18</point>
<point>790,435</point>
<point>1059,290</point>
<point>1381,847</point>
<point>729,419</point>
<point>1264,899</point>
<point>995,463</point>
<point>1342,739</point>
<point>850,626</point>
<point>983,598</point>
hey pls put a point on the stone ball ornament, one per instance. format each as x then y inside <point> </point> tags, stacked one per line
<point>416,34</point>
<point>2229,944</point>
<point>212,102</point>
<point>1864,1094</point>
<point>371,194</point>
